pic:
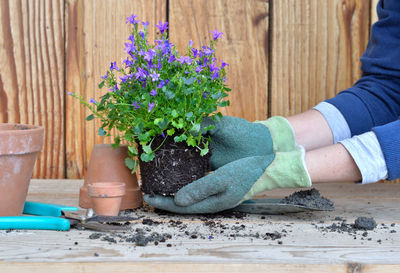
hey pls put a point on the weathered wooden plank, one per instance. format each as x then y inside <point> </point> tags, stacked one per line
<point>244,46</point>
<point>96,33</point>
<point>304,247</point>
<point>32,74</point>
<point>316,46</point>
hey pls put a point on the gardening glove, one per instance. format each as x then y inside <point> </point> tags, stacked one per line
<point>236,182</point>
<point>234,138</point>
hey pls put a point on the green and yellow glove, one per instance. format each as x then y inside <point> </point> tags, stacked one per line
<point>236,182</point>
<point>234,138</point>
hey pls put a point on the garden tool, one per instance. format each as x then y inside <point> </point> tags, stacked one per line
<point>274,206</point>
<point>60,217</point>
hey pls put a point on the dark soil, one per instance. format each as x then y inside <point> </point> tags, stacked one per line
<point>174,166</point>
<point>310,199</point>
<point>365,223</point>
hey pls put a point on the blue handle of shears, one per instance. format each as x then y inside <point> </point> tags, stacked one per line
<point>34,222</point>
<point>36,208</point>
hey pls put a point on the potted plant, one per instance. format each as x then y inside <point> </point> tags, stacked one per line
<point>157,100</point>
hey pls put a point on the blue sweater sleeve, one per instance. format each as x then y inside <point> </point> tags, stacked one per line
<point>373,103</point>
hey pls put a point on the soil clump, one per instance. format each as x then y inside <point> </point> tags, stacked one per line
<point>365,223</point>
<point>175,165</point>
<point>310,199</point>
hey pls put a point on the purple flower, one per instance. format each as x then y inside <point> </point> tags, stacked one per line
<point>132,19</point>
<point>213,67</point>
<point>214,75</point>
<point>162,27</point>
<point>205,94</point>
<point>162,84</point>
<point>127,62</point>
<point>171,58</point>
<point>130,47</point>
<point>125,77</point>
<point>154,76</point>
<point>105,76</point>
<point>92,101</point>
<point>136,105</point>
<point>208,50</point>
<point>224,79</point>
<point>185,59</point>
<point>153,92</point>
<point>151,106</point>
<point>140,73</point>
<point>141,52</point>
<point>206,60</point>
<point>148,56</point>
<point>216,34</point>
<point>195,52</point>
<point>190,43</point>
<point>162,133</point>
<point>141,34</point>
<point>145,24</point>
<point>114,66</point>
<point>114,88</point>
<point>223,64</point>
<point>199,69</point>
<point>131,38</point>
<point>70,93</point>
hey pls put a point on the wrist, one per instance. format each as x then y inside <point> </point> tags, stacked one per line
<point>282,133</point>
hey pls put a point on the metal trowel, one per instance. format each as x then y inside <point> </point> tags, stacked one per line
<point>273,206</point>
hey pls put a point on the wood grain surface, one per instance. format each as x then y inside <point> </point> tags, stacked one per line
<point>316,46</point>
<point>244,46</point>
<point>96,33</point>
<point>284,57</point>
<point>32,74</point>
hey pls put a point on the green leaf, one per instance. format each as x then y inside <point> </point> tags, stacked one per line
<point>101,85</point>
<point>132,149</point>
<point>195,128</point>
<point>102,132</point>
<point>189,115</point>
<point>174,113</point>
<point>90,117</point>
<point>203,151</point>
<point>169,94</point>
<point>191,141</point>
<point>147,157</point>
<point>131,164</point>
<point>163,124</point>
<point>147,149</point>
<point>188,81</point>
<point>171,131</point>
<point>144,137</point>
<point>180,138</point>
<point>188,91</point>
<point>208,128</point>
<point>138,129</point>
<point>223,103</point>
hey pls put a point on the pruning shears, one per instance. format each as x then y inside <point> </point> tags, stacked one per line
<point>57,217</point>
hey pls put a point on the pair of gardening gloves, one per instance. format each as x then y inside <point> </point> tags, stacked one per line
<point>247,158</point>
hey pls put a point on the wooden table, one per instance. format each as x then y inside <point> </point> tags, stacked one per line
<point>304,248</point>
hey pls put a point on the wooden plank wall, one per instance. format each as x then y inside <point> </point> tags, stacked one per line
<point>285,56</point>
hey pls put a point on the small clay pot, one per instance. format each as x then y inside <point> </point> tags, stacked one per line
<point>106,197</point>
<point>19,147</point>
<point>108,165</point>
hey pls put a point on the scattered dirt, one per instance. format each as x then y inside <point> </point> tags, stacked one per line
<point>174,166</point>
<point>310,199</point>
<point>365,223</point>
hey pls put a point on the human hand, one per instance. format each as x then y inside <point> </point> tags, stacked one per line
<point>234,138</point>
<point>236,182</point>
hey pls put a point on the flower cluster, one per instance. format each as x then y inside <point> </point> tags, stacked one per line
<point>158,92</point>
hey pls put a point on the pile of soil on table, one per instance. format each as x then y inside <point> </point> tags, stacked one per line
<point>310,199</point>
<point>175,165</point>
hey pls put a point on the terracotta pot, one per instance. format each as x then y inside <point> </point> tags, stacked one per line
<point>106,197</point>
<point>108,165</point>
<point>19,147</point>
